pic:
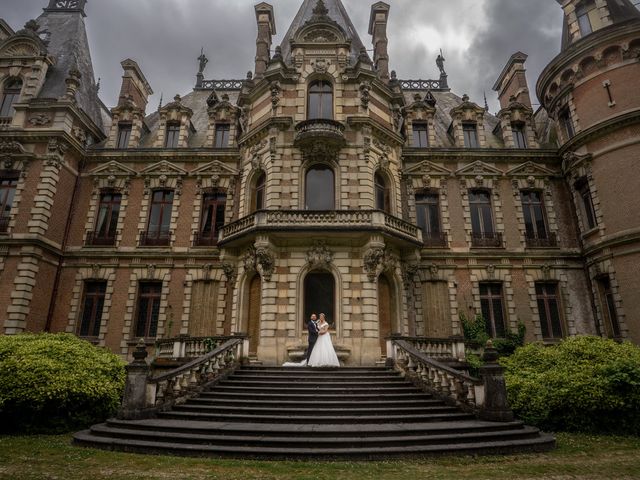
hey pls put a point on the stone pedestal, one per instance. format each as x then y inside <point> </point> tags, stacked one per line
<point>134,403</point>
<point>496,407</point>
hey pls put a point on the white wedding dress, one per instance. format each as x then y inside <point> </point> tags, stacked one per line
<point>323,354</point>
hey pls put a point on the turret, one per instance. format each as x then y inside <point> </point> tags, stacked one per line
<point>266,31</point>
<point>378,29</point>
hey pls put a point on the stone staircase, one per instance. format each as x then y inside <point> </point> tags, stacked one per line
<point>298,413</point>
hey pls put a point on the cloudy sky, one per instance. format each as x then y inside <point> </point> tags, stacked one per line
<point>165,37</point>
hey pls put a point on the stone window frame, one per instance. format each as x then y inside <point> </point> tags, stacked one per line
<point>87,274</point>
<point>543,184</point>
<point>204,273</point>
<point>337,180</point>
<point>439,273</point>
<point>126,114</point>
<point>144,273</point>
<point>113,176</point>
<point>310,81</point>
<point>583,169</point>
<point>549,274</point>
<point>124,126</point>
<point>421,113</point>
<point>606,268</point>
<point>388,178</point>
<point>486,183</point>
<point>496,274</point>
<point>4,82</point>
<point>20,175</point>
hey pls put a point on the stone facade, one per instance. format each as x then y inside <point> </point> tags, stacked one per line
<point>321,181</point>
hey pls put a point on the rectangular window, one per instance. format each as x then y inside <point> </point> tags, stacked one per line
<point>158,233</point>
<point>549,310</point>
<point>7,193</point>
<point>582,187</point>
<point>212,220</point>
<point>535,219</point>
<point>92,306</point>
<point>483,233</point>
<point>420,135</point>
<point>492,306</point>
<point>173,134</point>
<point>124,134</point>
<point>519,135</point>
<point>222,135</point>
<point>8,99</point>
<point>428,218</point>
<point>149,295</point>
<point>567,124</point>
<point>107,220</point>
<point>470,135</point>
<point>608,304</point>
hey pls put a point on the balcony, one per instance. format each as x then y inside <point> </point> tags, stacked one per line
<point>486,240</point>
<point>349,221</point>
<point>200,240</point>
<point>5,122</point>
<point>160,238</point>
<point>434,239</point>
<point>319,136</point>
<point>550,240</point>
<point>4,224</point>
<point>93,240</point>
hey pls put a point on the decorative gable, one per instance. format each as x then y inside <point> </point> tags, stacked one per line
<point>530,169</point>
<point>479,169</point>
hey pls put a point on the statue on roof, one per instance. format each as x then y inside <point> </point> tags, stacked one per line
<point>203,61</point>
<point>440,63</point>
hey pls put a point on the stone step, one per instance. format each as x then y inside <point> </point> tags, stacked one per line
<point>336,370</point>
<point>302,418</point>
<point>326,384</point>
<point>322,453</point>
<point>311,389</point>
<point>315,396</point>
<point>315,379</point>
<point>310,373</point>
<point>314,412</point>
<point>312,403</point>
<point>345,441</point>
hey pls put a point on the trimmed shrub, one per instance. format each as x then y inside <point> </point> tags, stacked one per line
<point>56,383</point>
<point>475,332</point>
<point>583,384</point>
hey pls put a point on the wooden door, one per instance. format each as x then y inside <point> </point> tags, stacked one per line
<point>437,310</point>
<point>253,321</point>
<point>204,309</point>
<point>385,311</point>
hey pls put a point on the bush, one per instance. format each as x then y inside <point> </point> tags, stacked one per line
<point>56,383</point>
<point>475,332</point>
<point>583,384</point>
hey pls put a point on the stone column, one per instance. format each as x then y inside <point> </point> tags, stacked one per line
<point>496,407</point>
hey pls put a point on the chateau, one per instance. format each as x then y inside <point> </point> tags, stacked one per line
<point>322,182</point>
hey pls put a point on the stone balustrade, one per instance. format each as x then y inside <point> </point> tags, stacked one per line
<point>292,220</point>
<point>444,348</point>
<point>146,395</point>
<point>188,347</point>
<point>328,131</point>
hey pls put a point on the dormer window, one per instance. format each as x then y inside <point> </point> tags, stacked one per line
<point>320,100</point>
<point>124,135</point>
<point>173,134</point>
<point>222,135</point>
<point>470,132</point>
<point>10,96</point>
<point>420,135</point>
<point>519,135</point>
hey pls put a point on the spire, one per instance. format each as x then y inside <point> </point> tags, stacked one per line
<point>323,10</point>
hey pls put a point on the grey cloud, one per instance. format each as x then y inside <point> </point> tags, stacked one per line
<point>165,37</point>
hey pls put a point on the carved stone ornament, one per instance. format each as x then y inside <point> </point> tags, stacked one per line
<point>95,270</point>
<point>57,146</point>
<point>434,270</point>
<point>265,263</point>
<point>372,259</point>
<point>40,119</point>
<point>491,271</point>
<point>229,272</point>
<point>320,65</point>
<point>11,146</point>
<point>276,90</point>
<point>151,271</point>
<point>206,271</point>
<point>79,135</point>
<point>249,260</point>
<point>546,271</point>
<point>319,256</point>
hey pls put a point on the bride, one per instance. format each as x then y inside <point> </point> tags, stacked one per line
<point>323,354</point>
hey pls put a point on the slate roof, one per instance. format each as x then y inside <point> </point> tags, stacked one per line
<point>66,35</point>
<point>337,13</point>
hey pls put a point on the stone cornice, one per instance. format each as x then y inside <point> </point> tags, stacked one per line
<point>261,130</point>
<point>492,155</point>
<point>580,48</point>
<point>379,130</point>
<point>156,154</point>
<point>600,129</point>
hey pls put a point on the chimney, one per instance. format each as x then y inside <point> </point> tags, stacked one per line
<point>511,85</point>
<point>135,87</point>
<point>378,29</point>
<point>266,31</point>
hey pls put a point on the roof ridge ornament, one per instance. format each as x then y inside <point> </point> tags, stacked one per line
<point>320,10</point>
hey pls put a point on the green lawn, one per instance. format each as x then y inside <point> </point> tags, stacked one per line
<point>577,457</point>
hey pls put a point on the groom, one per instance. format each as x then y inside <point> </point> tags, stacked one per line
<point>313,334</point>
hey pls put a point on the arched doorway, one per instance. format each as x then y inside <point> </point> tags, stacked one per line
<point>319,296</point>
<point>386,310</point>
<point>253,314</point>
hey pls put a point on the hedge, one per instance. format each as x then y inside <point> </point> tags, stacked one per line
<point>583,384</point>
<point>56,383</point>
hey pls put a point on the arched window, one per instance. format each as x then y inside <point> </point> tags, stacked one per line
<point>383,196</point>
<point>10,96</point>
<point>320,191</point>
<point>257,197</point>
<point>320,100</point>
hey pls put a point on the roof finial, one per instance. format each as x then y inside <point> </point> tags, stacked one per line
<point>320,9</point>
<point>203,61</point>
<point>486,104</point>
<point>98,85</point>
<point>440,63</point>
<point>160,105</point>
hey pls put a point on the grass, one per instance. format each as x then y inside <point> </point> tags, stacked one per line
<point>581,457</point>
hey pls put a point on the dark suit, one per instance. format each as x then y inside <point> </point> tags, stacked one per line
<point>313,337</point>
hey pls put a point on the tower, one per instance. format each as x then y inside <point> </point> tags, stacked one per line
<point>591,91</point>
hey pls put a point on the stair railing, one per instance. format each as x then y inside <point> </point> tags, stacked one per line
<point>146,395</point>
<point>445,348</point>
<point>485,396</point>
